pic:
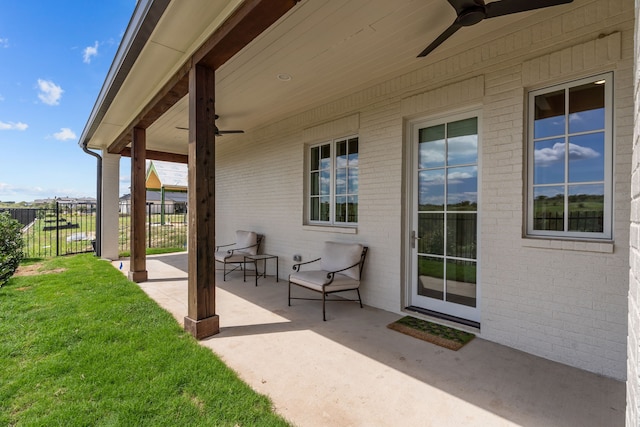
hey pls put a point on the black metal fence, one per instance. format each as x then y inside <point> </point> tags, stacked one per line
<point>585,221</point>
<point>66,228</point>
<point>166,226</point>
<point>70,228</point>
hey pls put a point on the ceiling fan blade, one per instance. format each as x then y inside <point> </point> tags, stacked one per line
<point>507,7</point>
<point>225,132</point>
<point>441,38</point>
<point>217,131</point>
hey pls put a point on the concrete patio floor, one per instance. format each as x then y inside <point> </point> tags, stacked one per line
<point>353,371</point>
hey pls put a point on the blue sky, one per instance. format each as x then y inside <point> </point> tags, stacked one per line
<point>54,56</point>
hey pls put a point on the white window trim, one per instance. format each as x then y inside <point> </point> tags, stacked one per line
<point>332,222</point>
<point>607,233</point>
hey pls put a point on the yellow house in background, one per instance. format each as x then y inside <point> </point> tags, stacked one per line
<point>166,176</point>
<point>166,185</point>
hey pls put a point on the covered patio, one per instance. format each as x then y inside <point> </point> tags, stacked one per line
<point>352,370</point>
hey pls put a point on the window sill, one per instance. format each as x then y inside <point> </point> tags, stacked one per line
<point>604,246</point>
<point>331,229</point>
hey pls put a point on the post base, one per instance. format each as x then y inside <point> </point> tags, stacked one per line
<point>202,328</point>
<point>138,276</point>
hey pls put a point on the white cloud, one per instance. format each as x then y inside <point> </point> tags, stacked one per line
<point>578,152</point>
<point>13,126</point>
<point>4,42</point>
<point>64,134</point>
<point>462,175</point>
<point>50,93</point>
<point>11,190</point>
<point>28,193</point>
<point>1,98</point>
<point>548,156</point>
<point>89,52</point>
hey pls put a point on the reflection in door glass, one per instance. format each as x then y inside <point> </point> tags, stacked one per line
<point>431,233</point>
<point>461,282</point>
<point>430,275</point>
<point>447,191</point>
<point>431,190</point>
<point>462,142</point>
<point>431,151</point>
<point>462,235</point>
<point>462,188</point>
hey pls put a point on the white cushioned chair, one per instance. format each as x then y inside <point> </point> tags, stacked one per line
<point>340,270</point>
<point>247,243</point>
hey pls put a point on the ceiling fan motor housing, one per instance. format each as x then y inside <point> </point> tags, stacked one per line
<point>471,16</point>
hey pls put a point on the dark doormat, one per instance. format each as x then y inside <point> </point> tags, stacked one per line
<point>441,335</point>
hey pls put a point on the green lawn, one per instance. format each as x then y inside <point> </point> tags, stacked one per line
<point>84,346</point>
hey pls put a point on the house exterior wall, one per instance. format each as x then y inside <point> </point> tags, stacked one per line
<point>564,300</point>
<point>633,343</point>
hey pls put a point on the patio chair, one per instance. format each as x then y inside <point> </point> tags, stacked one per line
<point>247,243</point>
<point>340,270</point>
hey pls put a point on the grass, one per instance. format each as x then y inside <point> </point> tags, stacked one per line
<point>85,346</point>
<point>154,251</point>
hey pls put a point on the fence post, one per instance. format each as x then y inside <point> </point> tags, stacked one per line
<point>149,224</point>
<point>57,229</point>
<point>162,206</point>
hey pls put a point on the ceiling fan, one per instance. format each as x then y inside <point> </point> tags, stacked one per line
<point>470,12</point>
<point>218,132</point>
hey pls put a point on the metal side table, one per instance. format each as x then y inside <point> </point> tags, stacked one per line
<point>262,257</point>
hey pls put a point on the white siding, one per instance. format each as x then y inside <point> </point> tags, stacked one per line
<point>563,300</point>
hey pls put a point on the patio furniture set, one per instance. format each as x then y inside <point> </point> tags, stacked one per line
<point>338,269</point>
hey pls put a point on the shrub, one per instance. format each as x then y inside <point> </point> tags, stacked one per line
<point>10,246</point>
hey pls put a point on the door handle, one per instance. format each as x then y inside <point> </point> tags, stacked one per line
<point>413,239</point>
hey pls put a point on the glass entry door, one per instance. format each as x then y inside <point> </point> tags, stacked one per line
<point>444,235</point>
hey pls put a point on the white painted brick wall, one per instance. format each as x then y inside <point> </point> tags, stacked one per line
<point>633,345</point>
<point>563,300</point>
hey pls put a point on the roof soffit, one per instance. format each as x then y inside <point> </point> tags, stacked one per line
<point>178,34</point>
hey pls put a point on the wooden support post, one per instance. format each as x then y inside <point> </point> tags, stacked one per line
<point>138,263</point>
<point>201,320</point>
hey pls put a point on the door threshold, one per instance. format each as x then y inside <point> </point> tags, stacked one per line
<point>443,316</point>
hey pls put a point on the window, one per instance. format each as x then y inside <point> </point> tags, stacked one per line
<point>570,150</point>
<point>333,182</point>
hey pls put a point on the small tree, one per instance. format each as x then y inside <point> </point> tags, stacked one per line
<point>10,246</point>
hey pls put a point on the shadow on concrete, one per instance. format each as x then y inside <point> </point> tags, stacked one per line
<point>517,386</point>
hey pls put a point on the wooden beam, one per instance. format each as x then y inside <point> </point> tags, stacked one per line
<point>173,91</point>
<point>246,23</point>
<point>201,320</point>
<point>138,260</point>
<point>159,155</point>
